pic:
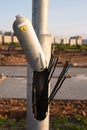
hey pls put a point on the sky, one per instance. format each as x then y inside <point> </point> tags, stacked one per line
<point>66,17</point>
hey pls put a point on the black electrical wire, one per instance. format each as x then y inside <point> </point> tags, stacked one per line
<point>54,92</point>
<point>53,69</point>
<point>59,82</point>
<point>53,62</point>
<point>49,78</point>
<point>64,70</point>
<point>62,77</point>
<point>50,63</point>
<point>56,88</point>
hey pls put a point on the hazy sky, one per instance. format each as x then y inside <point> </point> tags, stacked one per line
<point>66,17</point>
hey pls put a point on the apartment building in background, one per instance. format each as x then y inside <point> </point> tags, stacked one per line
<point>14,39</point>
<point>69,41</point>
<point>0,39</point>
<point>8,37</point>
<point>57,40</point>
<point>72,41</point>
<point>60,40</point>
<point>76,40</point>
<point>65,41</point>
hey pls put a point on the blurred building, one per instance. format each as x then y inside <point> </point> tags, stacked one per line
<point>72,41</point>
<point>76,40</point>
<point>15,39</point>
<point>84,41</point>
<point>0,39</point>
<point>7,39</point>
<point>65,41</point>
<point>8,33</point>
<point>58,40</point>
<point>79,40</point>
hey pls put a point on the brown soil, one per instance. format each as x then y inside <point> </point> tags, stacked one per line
<point>78,58</point>
<point>13,59</point>
<point>16,108</point>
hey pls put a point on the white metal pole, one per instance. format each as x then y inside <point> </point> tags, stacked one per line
<point>40,16</point>
<point>32,123</point>
<point>40,24</point>
<point>43,16</point>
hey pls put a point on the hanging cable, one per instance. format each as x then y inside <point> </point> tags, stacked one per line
<point>53,62</point>
<point>52,69</point>
<point>59,82</point>
<point>49,78</point>
<point>43,100</point>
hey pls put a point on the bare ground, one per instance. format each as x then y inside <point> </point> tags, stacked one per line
<point>16,108</point>
<point>78,58</point>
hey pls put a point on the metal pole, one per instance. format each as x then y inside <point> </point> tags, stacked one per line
<point>40,16</point>
<point>40,24</point>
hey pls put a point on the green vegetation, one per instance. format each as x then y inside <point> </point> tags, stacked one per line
<point>15,44</point>
<point>69,123</point>
<point>54,46</point>
<point>12,124</point>
<point>77,122</point>
<point>69,47</point>
<point>10,46</point>
<point>2,120</point>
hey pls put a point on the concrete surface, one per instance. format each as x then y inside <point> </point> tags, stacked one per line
<point>15,84</point>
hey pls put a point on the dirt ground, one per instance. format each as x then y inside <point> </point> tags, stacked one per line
<point>16,108</point>
<point>78,58</point>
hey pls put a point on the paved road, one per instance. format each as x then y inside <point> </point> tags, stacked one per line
<point>15,84</point>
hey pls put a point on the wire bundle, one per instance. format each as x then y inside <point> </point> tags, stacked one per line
<point>60,81</point>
